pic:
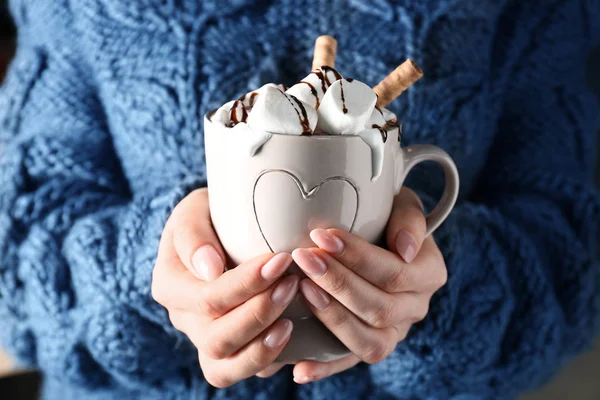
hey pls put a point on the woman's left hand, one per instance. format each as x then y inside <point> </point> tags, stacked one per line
<point>367,296</point>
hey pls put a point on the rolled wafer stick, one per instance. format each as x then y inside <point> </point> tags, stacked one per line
<point>397,82</point>
<point>325,52</point>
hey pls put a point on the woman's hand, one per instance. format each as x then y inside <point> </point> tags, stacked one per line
<point>230,317</point>
<point>367,296</point>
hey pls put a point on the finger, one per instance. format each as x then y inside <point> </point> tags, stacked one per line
<point>253,358</point>
<point>174,286</point>
<point>245,281</point>
<point>194,238</point>
<point>235,329</point>
<point>180,320</point>
<point>311,371</point>
<point>378,266</point>
<point>270,370</point>
<point>407,225</point>
<point>192,325</point>
<point>372,305</point>
<point>365,300</point>
<point>402,330</point>
<point>369,344</point>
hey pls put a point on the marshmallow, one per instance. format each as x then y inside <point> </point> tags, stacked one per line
<point>330,75</point>
<point>312,88</point>
<point>309,90</point>
<point>238,113</point>
<point>388,115</point>
<point>372,137</point>
<point>277,112</point>
<point>249,140</point>
<point>376,118</point>
<point>279,86</point>
<point>221,116</point>
<point>346,107</point>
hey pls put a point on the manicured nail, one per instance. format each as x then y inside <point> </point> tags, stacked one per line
<point>406,246</point>
<point>285,291</point>
<point>327,241</point>
<point>300,380</point>
<point>279,333</point>
<point>208,263</point>
<point>314,295</point>
<point>276,266</point>
<point>309,262</point>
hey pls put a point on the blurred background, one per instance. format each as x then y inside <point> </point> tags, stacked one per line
<point>578,381</point>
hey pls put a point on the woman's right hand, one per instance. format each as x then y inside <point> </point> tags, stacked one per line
<point>232,316</point>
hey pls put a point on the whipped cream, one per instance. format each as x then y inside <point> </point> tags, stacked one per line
<point>323,103</point>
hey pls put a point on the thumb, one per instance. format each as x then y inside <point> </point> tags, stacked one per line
<point>407,226</point>
<point>270,370</point>
<point>194,238</point>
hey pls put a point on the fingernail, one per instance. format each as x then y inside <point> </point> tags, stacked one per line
<point>327,241</point>
<point>208,263</point>
<point>285,291</point>
<point>276,266</point>
<point>309,262</point>
<point>279,333</point>
<point>314,295</point>
<point>303,379</point>
<point>406,246</point>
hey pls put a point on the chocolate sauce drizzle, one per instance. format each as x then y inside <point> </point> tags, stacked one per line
<point>233,112</point>
<point>240,104</point>
<point>304,122</point>
<point>313,91</point>
<point>383,132</point>
<point>389,125</point>
<point>321,73</point>
<point>399,131</point>
<point>344,109</point>
<point>335,73</point>
<point>252,99</point>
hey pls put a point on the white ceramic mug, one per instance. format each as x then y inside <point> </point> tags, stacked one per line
<point>270,201</point>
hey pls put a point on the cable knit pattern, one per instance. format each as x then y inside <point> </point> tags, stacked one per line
<point>101,136</point>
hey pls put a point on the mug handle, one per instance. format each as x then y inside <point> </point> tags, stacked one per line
<point>416,154</point>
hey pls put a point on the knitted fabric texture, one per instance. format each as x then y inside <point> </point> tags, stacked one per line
<point>101,135</point>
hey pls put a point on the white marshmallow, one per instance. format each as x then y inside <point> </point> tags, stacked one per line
<point>372,137</point>
<point>331,75</point>
<point>247,101</point>
<point>388,115</point>
<point>279,86</point>
<point>376,118</point>
<point>353,97</point>
<point>309,90</point>
<point>276,112</point>
<point>221,116</point>
<point>249,140</point>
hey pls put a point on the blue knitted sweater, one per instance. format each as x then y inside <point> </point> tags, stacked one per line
<point>101,136</point>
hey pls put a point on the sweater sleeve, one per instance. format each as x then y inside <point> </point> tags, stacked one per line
<point>522,249</point>
<point>77,244</point>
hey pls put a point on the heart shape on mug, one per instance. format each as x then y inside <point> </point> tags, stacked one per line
<point>286,212</point>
